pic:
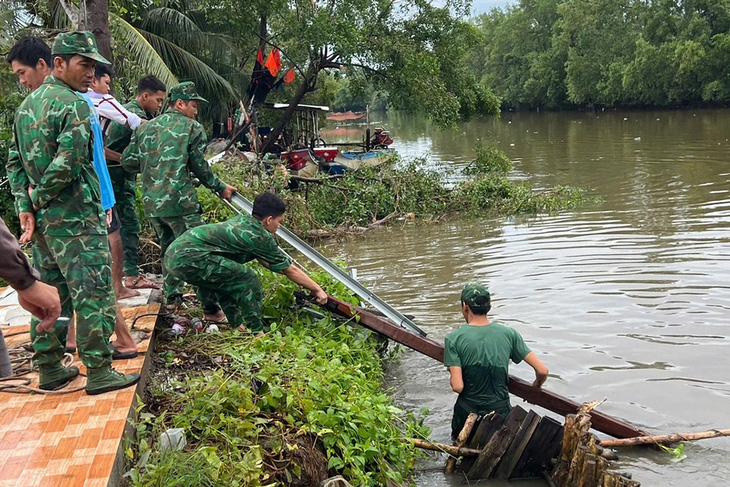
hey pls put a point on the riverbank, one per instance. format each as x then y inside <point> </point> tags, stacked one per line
<point>302,403</point>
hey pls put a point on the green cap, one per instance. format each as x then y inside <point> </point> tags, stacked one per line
<point>78,42</point>
<point>476,295</point>
<point>185,91</point>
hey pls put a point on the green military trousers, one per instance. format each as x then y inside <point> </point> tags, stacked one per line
<point>125,193</point>
<point>80,268</point>
<point>218,279</point>
<point>168,229</point>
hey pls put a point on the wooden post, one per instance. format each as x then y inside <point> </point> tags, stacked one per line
<point>460,440</point>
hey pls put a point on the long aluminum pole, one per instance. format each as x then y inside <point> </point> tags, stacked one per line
<point>352,284</point>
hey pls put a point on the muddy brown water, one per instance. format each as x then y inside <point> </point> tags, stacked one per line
<point>628,299</point>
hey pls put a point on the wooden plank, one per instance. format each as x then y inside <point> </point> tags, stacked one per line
<point>540,397</point>
<point>492,453</point>
<point>487,427</point>
<point>544,445</point>
<point>514,452</point>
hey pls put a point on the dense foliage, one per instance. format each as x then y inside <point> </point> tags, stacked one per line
<point>575,53</point>
<point>402,188</point>
<point>260,410</point>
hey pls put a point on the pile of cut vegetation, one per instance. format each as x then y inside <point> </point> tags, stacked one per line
<point>294,407</point>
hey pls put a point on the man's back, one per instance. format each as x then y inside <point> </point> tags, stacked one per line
<point>53,137</point>
<point>163,147</point>
<point>484,353</point>
<point>242,238</point>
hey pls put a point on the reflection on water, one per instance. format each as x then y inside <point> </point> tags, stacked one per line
<point>627,299</point>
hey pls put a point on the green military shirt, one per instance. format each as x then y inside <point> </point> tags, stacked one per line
<point>120,135</point>
<point>165,151</point>
<point>51,151</point>
<point>483,353</point>
<point>243,238</point>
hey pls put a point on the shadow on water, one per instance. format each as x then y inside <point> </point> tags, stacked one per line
<point>627,299</point>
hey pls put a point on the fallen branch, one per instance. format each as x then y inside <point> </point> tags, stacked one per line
<point>456,451</point>
<point>463,436</point>
<point>664,439</point>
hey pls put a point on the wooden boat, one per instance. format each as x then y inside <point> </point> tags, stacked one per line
<point>355,160</point>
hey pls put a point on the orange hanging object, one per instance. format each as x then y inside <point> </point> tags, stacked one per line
<point>273,63</point>
<point>289,76</point>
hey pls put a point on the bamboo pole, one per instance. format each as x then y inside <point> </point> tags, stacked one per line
<point>664,439</point>
<point>457,451</point>
<point>460,440</point>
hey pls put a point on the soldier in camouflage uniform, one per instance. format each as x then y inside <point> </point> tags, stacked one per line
<point>150,95</point>
<point>57,198</point>
<point>166,150</point>
<point>212,257</point>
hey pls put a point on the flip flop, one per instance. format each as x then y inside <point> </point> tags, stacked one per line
<point>117,355</point>
<point>140,282</point>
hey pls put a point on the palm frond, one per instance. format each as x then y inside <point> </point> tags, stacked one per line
<point>174,25</point>
<point>147,56</point>
<point>11,23</point>
<point>181,61</point>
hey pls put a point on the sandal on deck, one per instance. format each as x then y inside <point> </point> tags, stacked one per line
<point>139,282</point>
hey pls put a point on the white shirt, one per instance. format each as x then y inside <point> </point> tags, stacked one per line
<point>110,109</point>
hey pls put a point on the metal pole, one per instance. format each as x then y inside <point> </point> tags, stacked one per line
<point>353,284</point>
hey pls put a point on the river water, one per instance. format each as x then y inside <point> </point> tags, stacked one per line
<point>626,299</point>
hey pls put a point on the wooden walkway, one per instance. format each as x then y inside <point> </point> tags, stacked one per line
<point>70,439</point>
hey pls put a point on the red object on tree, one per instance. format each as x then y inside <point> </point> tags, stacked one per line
<point>274,62</point>
<point>260,57</point>
<point>289,76</point>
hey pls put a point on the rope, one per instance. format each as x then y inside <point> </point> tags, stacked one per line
<point>21,362</point>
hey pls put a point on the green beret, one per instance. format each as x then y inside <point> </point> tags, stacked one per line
<point>185,91</point>
<point>472,293</point>
<point>78,42</point>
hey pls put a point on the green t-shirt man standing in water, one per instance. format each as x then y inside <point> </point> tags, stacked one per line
<point>478,354</point>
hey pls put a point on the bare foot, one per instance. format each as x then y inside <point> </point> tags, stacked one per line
<point>139,282</point>
<point>119,347</point>
<point>124,293</point>
<point>219,317</point>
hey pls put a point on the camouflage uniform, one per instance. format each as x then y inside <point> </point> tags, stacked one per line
<point>51,152</point>
<point>212,257</point>
<point>166,150</point>
<point>125,190</point>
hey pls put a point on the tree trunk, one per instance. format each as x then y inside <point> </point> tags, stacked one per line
<point>97,21</point>
<point>664,439</point>
<point>289,112</point>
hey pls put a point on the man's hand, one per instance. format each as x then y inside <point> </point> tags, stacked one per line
<point>108,218</point>
<point>27,224</point>
<point>43,302</point>
<point>320,296</point>
<point>539,381</point>
<point>228,192</point>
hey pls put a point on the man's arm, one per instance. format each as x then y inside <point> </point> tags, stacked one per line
<point>19,184</point>
<point>39,298</point>
<point>541,372</point>
<point>200,167</point>
<point>456,380</point>
<point>109,107</point>
<point>111,155</point>
<point>72,153</point>
<point>299,277</point>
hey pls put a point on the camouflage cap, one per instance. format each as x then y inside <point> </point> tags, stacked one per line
<point>78,42</point>
<point>476,295</point>
<point>185,91</point>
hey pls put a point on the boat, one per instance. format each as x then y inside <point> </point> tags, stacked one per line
<point>301,162</point>
<point>355,160</point>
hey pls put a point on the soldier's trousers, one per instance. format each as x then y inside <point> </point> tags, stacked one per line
<point>80,268</point>
<point>233,286</point>
<point>125,193</point>
<point>168,229</point>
